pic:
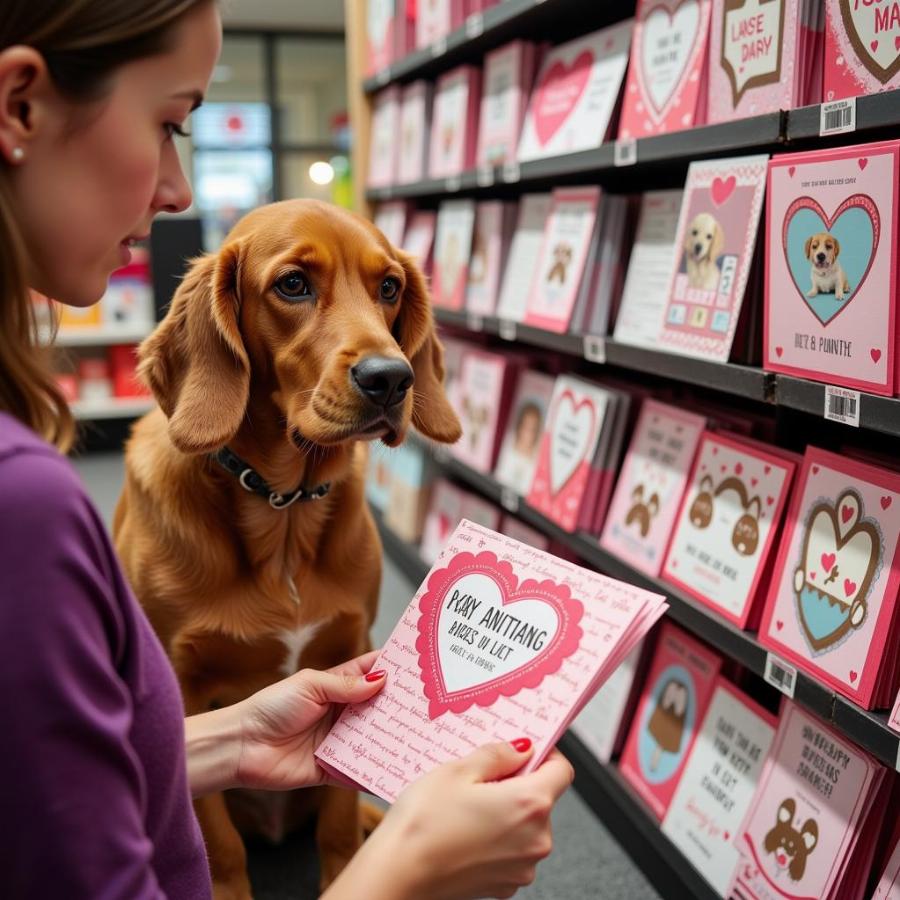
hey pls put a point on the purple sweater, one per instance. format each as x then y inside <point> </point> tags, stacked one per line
<point>94,800</point>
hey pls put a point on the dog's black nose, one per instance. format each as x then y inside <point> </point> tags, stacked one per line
<point>820,257</point>
<point>698,249</point>
<point>382,380</point>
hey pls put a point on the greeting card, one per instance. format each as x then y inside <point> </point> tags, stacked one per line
<point>435,19</point>
<point>415,126</point>
<point>383,147</point>
<point>563,258</point>
<point>508,74</point>
<point>862,48</point>
<point>719,782</point>
<point>444,514</point>
<point>480,511</point>
<point>490,244</point>
<point>726,527</point>
<point>524,534</point>
<point>577,412</point>
<point>390,220</point>
<point>575,94</point>
<point>673,702</point>
<point>831,246</point>
<point>534,210</point>
<point>667,73</point>
<point>452,247</point>
<point>501,641</point>
<point>524,430</point>
<point>380,16</point>
<point>454,123</point>
<point>814,815</point>
<point>715,245</point>
<point>419,238</point>
<point>831,606</point>
<point>894,720</point>
<point>643,305</point>
<point>651,484</point>
<point>412,474</point>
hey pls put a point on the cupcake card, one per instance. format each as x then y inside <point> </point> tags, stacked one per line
<point>666,86</point>
<point>490,244</point>
<point>719,782</point>
<point>383,146</point>
<point>816,795</point>
<point>831,266</point>
<point>651,484</point>
<point>834,590</point>
<point>715,245</point>
<point>380,16</point>
<point>862,48</point>
<point>452,248</point>
<point>676,693</point>
<point>575,94</point>
<point>727,525</point>
<point>574,424</point>
<point>415,126</point>
<point>454,122</point>
<point>501,641</point>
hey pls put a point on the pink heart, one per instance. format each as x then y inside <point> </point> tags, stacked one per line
<point>874,46</point>
<point>779,624</point>
<point>767,469</point>
<point>559,92</point>
<point>853,675</point>
<point>754,482</point>
<point>815,470</point>
<point>827,560</point>
<point>444,524</point>
<point>770,500</point>
<point>723,468</point>
<point>849,586</point>
<point>863,162</point>
<point>726,835</point>
<point>779,351</point>
<point>715,451</point>
<point>886,501</point>
<point>738,469</point>
<point>875,353</point>
<point>812,576</point>
<point>846,514</point>
<point>791,170</point>
<point>722,188</point>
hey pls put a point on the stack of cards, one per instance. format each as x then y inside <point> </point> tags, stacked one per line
<point>667,74</point>
<point>501,641</point>
<point>765,55</point>
<point>832,606</point>
<point>454,122</point>
<point>494,221</point>
<point>415,126</point>
<point>831,266</point>
<point>452,249</point>
<point>383,147</point>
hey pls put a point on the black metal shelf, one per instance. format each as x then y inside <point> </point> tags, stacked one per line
<point>873,112</point>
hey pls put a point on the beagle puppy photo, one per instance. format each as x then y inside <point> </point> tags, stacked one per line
<point>827,275</point>
<point>703,244</point>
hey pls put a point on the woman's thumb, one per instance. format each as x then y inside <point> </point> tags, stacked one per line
<point>495,761</point>
<point>335,687</point>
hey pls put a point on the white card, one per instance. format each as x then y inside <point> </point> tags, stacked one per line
<point>523,256</point>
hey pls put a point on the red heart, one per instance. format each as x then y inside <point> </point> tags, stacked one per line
<point>874,46</point>
<point>791,170</point>
<point>827,560</point>
<point>715,451</point>
<point>863,162</point>
<point>846,514</point>
<point>770,500</point>
<point>812,576</point>
<point>875,353</point>
<point>853,675</point>
<point>815,470</point>
<point>738,469</point>
<point>754,482</point>
<point>726,835</point>
<point>897,42</point>
<point>559,92</point>
<point>779,351</point>
<point>724,467</point>
<point>779,624</point>
<point>849,587</point>
<point>886,501</point>
<point>722,188</point>
<point>767,469</point>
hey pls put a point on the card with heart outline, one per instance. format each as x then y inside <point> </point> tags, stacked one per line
<point>666,86</point>
<point>575,94</point>
<point>831,246</point>
<point>833,598</point>
<point>719,782</point>
<point>573,428</point>
<point>862,48</point>
<point>501,641</point>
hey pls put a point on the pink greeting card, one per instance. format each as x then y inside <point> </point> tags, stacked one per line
<point>419,238</point>
<point>575,94</point>
<point>563,258</point>
<point>676,693</point>
<point>719,782</point>
<point>444,514</point>
<point>889,884</point>
<point>715,246</point>
<point>524,430</point>
<point>501,641</point>
<point>524,534</point>
<point>814,803</point>
<point>435,19</point>
<point>490,244</point>
<point>726,528</point>
<point>834,590</point>
<point>831,246</point>
<point>508,74</point>
<point>383,146</point>
<point>380,15</point>
<point>452,247</point>
<point>667,73</point>
<point>862,48</point>
<point>415,126</point>
<point>454,123</point>
<point>574,423</point>
<point>651,484</point>
<point>390,219</point>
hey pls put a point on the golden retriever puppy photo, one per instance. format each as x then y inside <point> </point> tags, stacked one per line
<point>703,244</point>
<point>826,273</point>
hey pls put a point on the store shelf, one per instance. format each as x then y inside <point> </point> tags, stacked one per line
<point>873,112</point>
<point>101,336</point>
<point>112,408</point>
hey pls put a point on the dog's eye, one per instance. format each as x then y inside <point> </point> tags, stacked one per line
<point>293,286</point>
<point>390,289</point>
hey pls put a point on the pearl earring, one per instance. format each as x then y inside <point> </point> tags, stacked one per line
<point>18,154</point>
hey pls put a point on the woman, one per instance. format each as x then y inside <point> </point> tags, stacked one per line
<point>97,762</point>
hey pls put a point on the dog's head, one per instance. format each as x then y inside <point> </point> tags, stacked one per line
<point>704,239</point>
<point>822,250</point>
<point>311,307</point>
<point>790,846</point>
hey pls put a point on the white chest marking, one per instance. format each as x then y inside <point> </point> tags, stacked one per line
<point>294,641</point>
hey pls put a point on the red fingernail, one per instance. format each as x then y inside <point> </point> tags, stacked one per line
<point>376,676</point>
<point>522,745</point>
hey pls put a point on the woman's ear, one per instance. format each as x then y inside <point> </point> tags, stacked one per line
<point>195,362</point>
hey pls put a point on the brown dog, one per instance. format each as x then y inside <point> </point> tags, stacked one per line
<point>294,343</point>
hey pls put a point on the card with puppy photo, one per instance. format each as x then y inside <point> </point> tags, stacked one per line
<point>501,641</point>
<point>490,244</point>
<point>715,245</point>
<point>831,266</point>
<point>452,249</point>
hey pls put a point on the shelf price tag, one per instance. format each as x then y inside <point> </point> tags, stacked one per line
<point>595,349</point>
<point>509,500</point>
<point>511,172</point>
<point>474,322</point>
<point>439,47</point>
<point>842,405</point>
<point>452,184</point>
<point>474,26</point>
<point>838,117</point>
<point>484,176</point>
<point>625,152</point>
<point>506,328</point>
<point>780,675</point>
<point>384,76</point>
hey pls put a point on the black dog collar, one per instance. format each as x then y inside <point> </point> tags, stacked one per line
<point>253,482</point>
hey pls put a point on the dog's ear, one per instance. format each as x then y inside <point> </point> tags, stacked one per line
<point>432,413</point>
<point>807,246</point>
<point>837,247</point>
<point>718,242</point>
<point>195,362</point>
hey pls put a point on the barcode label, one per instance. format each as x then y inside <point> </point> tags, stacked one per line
<point>595,349</point>
<point>439,47</point>
<point>474,322</point>
<point>625,152</point>
<point>780,675</point>
<point>484,176</point>
<point>509,500</point>
<point>384,76</point>
<point>842,405</point>
<point>474,25</point>
<point>511,172</point>
<point>838,117</point>
<point>506,328</point>
<point>453,184</point>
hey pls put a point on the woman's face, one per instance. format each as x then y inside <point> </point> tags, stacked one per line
<point>94,175</point>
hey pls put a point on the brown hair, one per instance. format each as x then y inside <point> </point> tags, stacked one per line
<point>83,42</point>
